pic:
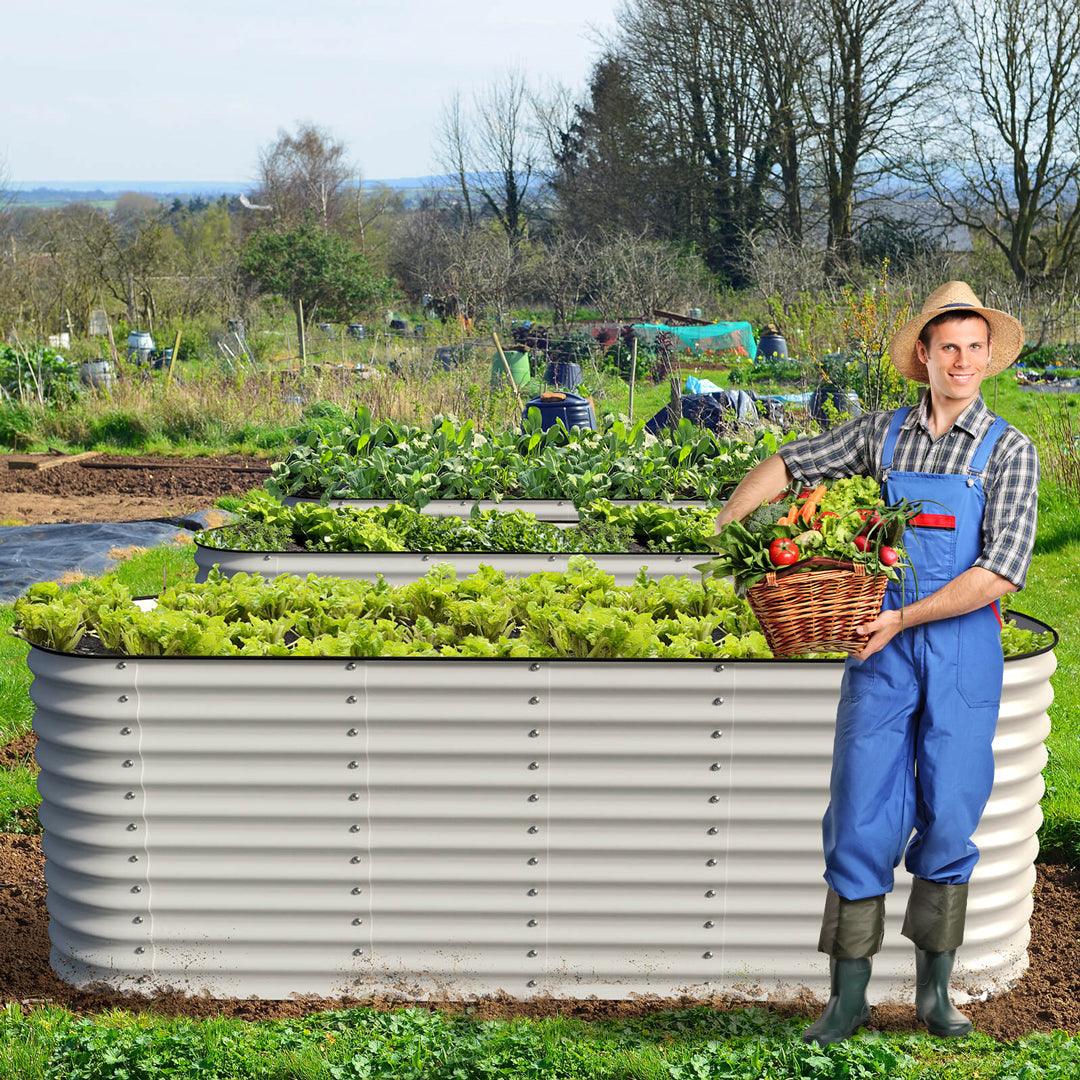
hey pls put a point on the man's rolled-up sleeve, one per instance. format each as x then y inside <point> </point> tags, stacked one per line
<point>844,451</point>
<point>1011,516</point>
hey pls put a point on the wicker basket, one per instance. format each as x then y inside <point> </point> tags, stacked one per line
<point>815,605</point>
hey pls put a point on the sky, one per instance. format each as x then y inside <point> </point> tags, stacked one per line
<point>145,90</point>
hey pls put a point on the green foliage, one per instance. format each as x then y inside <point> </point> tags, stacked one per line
<point>579,613</point>
<point>266,525</point>
<point>316,266</point>
<point>370,460</point>
<point>16,426</point>
<point>19,799</point>
<point>36,375</point>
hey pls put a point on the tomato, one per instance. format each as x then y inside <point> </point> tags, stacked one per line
<point>888,555</point>
<point>783,552</point>
<point>823,514</point>
<point>871,517</point>
<point>861,543</point>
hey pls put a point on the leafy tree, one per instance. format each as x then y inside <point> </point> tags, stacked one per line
<point>315,268</point>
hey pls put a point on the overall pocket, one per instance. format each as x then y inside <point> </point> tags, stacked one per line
<point>981,663</point>
<point>859,678</point>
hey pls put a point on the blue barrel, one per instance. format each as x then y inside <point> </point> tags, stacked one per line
<point>564,374</point>
<point>772,344</point>
<point>572,409</point>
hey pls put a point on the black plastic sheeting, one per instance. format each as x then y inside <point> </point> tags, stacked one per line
<point>32,553</point>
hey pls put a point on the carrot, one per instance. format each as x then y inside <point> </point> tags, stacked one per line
<point>809,507</point>
<point>790,517</point>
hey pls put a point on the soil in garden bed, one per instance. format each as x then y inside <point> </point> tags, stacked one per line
<point>1046,999</point>
<point>117,488</point>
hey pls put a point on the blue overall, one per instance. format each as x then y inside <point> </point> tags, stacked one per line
<point>916,719</point>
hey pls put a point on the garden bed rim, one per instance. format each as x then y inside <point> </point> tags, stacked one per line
<point>718,662</point>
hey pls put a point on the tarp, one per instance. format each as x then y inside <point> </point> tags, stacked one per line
<point>721,337</point>
<point>33,553</point>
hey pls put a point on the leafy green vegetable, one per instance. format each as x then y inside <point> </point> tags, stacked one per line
<point>370,460</point>
<point>579,613</point>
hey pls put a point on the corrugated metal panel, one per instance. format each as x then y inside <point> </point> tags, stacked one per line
<point>277,826</point>
<point>399,568</point>
<point>556,510</point>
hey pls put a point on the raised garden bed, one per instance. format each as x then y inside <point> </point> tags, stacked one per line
<point>274,825</point>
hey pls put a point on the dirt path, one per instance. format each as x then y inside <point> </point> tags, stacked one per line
<point>115,488</point>
<point>1047,998</point>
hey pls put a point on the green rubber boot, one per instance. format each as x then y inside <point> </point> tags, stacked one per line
<point>932,1006</point>
<point>847,1009</point>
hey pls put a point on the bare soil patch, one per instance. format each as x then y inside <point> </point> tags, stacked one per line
<point>1046,999</point>
<point>117,488</point>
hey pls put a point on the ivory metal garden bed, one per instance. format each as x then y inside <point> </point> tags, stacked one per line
<point>270,826</point>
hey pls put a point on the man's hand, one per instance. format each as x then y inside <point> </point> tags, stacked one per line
<point>878,632</point>
<point>762,482</point>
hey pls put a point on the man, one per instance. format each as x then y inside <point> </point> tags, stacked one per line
<point>919,702</point>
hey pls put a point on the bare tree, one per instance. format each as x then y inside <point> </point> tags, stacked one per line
<point>879,60</point>
<point>455,153</point>
<point>559,273</point>
<point>493,153</point>
<point>304,174</point>
<point>1007,166</point>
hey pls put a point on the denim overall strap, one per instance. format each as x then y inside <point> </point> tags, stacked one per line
<point>985,448</point>
<point>889,449</point>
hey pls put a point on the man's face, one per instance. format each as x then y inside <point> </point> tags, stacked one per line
<point>957,357</point>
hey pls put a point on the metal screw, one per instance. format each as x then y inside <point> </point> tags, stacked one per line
<point>715,766</point>
<point>358,952</point>
<point>712,830</point>
<point>358,922</point>
<point>707,955</point>
<point>132,826</point>
<point>136,888</point>
<point>534,700</point>
<point>353,796</point>
<point>708,924</point>
<point>719,667</point>
<point>531,982</point>
<point>532,892</point>
<point>718,701</point>
<point>129,794</point>
<point>534,764</point>
<point>717,734</point>
<point>532,954</point>
<point>354,764</point>
<point>534,829</point>
<point>533,860</point>
<point>137,919</point>
<point>354,828</point>
<point>351,699</point>
<point>532,922</point>
<point>424,558</point>
<point>121,666</point>
<point>710,862</point>
<point>139,949</point>
<point>133,858</point>
<point>352,731</point>
<point>355,859</point>
<point>534,797</point>
<point>534,667</point>
<point>356,890</point>
<point>128,763</point>
<point>534,733</point>
<point>350,666</point>
<point>266,558</point>
<point>710,893</point>
<point>714,798</point>
<point>125,731</point>
<point>122,698</point>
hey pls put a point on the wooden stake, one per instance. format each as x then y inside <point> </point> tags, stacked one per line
<point>172,359</point>
<point>509,373</point>
<point>633,374</point>
<point>301,336</point>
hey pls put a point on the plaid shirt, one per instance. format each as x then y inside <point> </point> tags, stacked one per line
<point>1011,480</point>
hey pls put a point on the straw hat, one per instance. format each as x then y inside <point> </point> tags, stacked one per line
<point>1006,334</point>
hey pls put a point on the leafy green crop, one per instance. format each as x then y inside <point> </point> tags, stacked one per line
<point>371,460</point>
<point>579,613</point>
<point>267,525</point>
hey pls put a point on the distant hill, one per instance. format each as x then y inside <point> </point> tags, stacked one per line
<point>104,192</point>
